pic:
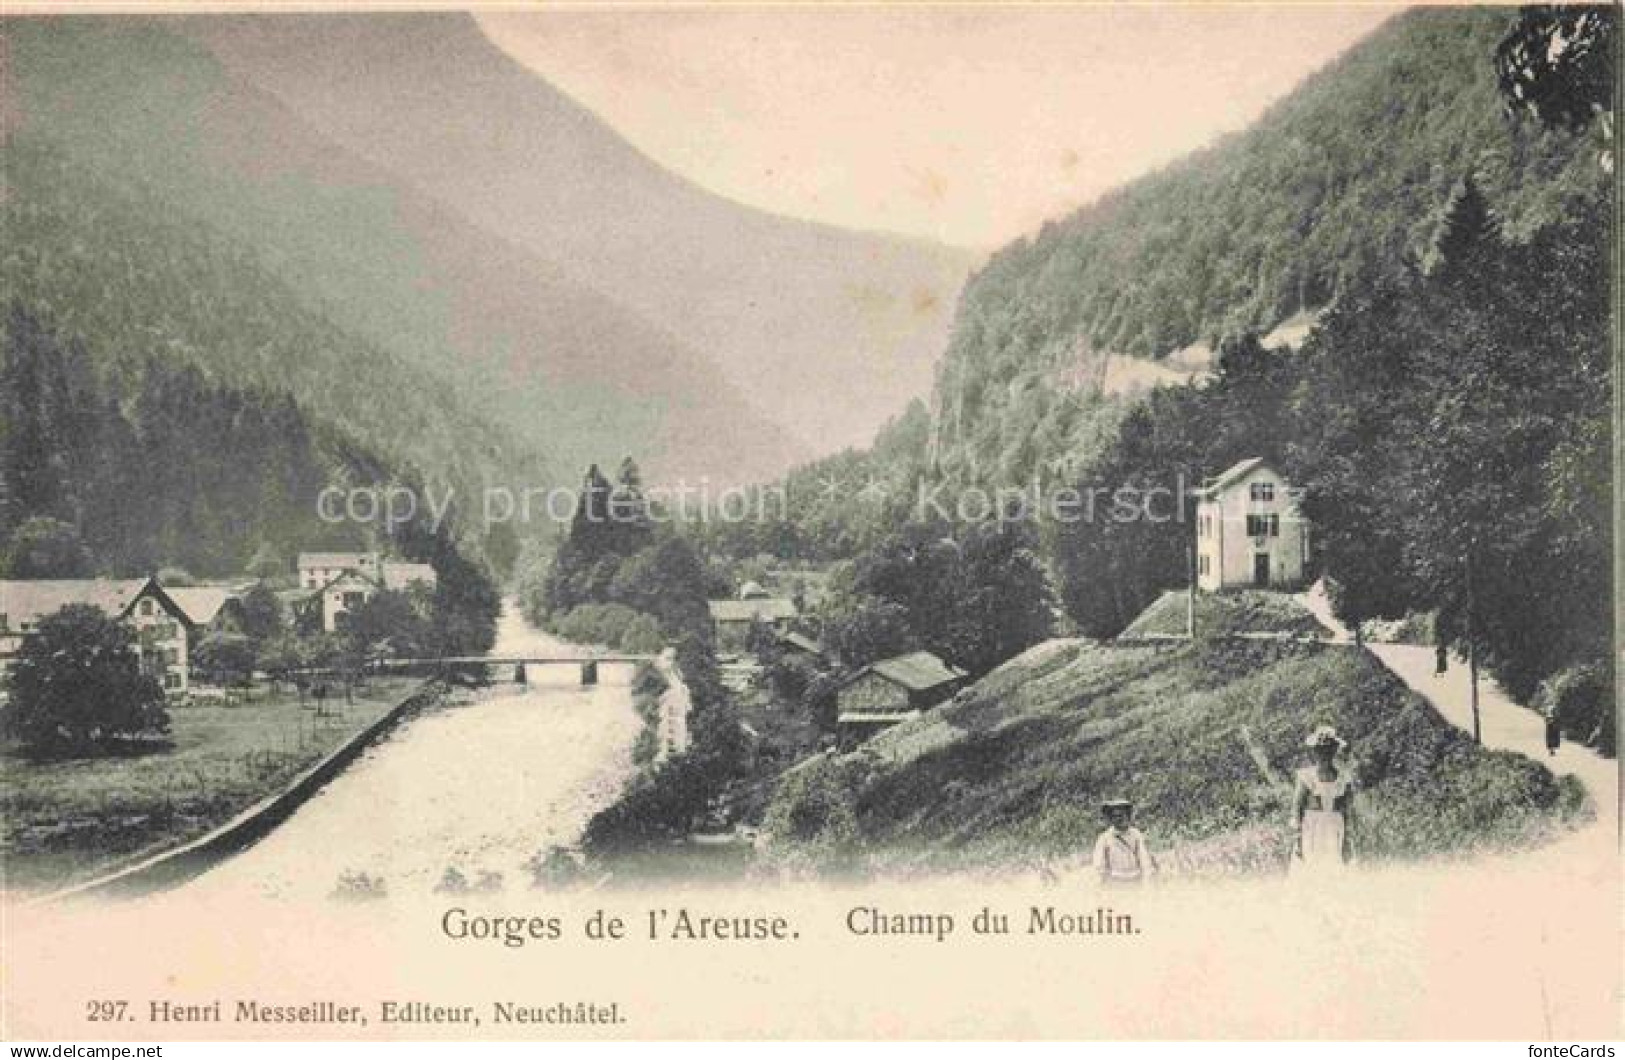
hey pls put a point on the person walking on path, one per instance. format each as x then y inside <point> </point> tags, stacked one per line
<point>1441,659</point>
<point>1121,857</point>
<point>1554,731</point>
<point>1322,805</point>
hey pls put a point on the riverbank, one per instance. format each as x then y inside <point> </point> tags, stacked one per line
<point>462,797</point>
<point>67,820</point>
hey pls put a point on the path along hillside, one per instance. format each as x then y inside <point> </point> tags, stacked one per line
<point>1202,736</point>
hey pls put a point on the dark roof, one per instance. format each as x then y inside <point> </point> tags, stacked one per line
<point>1235,473</point>
<point>768,609</point>
<point>802,641</point>
<point>917,671</point>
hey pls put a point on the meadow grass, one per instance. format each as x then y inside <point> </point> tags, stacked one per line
<point>1226,614</point>
<point>67,819</point>
<point>1204,738</point>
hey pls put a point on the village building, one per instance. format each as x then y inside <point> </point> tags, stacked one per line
<point>209,608</point>
<point>162,628</point>
<point>733,619</point>
<point>332,604</point>
<point>797,644</point>
<point>316,569</point>
<point>890,691</point>
<point>1249,531</point>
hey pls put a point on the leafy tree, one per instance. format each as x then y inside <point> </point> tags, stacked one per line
<point>76,683</point>
<point>284,655</point>
<point>225,658</point>
<point>44,547</point>
<point>1557,65</point>
<point>861,629</point>
<point>260,613</point>
<point>387,623</point>
<point>1004,604</point>
<point>502,549</point>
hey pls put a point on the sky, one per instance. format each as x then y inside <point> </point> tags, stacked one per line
<point>968,125</point>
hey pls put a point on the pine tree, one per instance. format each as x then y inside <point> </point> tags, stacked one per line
<point>1468,232</point>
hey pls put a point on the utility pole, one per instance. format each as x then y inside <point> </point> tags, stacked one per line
<point>1472,649</point>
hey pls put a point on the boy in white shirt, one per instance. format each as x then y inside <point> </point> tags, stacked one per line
<point>1121,856</point>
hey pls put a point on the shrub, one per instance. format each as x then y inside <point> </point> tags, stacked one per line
<point>1582,696</point>
<point>77,682</point>
<point>812,823</point>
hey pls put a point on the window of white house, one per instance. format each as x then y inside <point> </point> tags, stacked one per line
<point>172,680</point>
<point>1264,525</point>
<point>1262,491</point>
<point>146,607</point>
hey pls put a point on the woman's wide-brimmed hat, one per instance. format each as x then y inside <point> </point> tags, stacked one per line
<point>1117,804</point>
<point>1325,734</point>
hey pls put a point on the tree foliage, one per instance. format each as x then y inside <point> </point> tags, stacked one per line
<point>76,685</point>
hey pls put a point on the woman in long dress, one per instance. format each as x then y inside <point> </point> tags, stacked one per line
<point>1322,805</point>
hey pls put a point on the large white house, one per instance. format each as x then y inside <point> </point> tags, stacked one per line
<point>162,627</point>
<point>336,583</point>
<point>1249,531</point>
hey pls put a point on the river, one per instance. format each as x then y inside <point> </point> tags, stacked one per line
<point>480,786</point>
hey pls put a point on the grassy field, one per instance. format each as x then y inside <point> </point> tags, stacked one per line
<point>65,820</point>
<point>1204,738</point>
<point>1226,614</point>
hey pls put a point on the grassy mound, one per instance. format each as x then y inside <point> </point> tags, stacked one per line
<point>1226,614</point>
<point>1203,737</point>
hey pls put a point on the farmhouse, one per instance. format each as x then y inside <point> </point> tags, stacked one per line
<point>316,569</point>
<point>209,608</point>
<point>892,690</point>
<point>161,627</point>
<point>1249,532</point>
<point>332,584</point>
<point>332,604</point>
<point>733,619</point>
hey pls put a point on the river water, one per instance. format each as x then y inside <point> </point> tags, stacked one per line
<point>479,786</point>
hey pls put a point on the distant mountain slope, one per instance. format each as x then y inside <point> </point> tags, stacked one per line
<point>794,313</point>
<point>115,272</point>
<point>481,319</point>
<point>1346,177</point>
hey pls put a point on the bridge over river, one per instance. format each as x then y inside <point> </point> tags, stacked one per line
<point>480,787</point>
<point>522,663</point>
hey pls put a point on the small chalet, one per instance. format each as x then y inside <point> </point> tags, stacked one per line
<point>892,690</point>
<point>162,628</point>
<point>733,619</point>
<point>1249,532</point>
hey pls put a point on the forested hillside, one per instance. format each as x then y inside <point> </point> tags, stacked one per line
<point>113,270</point>
<point>1342,183</point>
<point>1440,238</point>
<point>182,473</point>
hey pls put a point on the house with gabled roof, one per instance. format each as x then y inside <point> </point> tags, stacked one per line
<point>1250,532</point>
<point>161,626</point>
<point>892,690</point>
<point>733,619</point>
